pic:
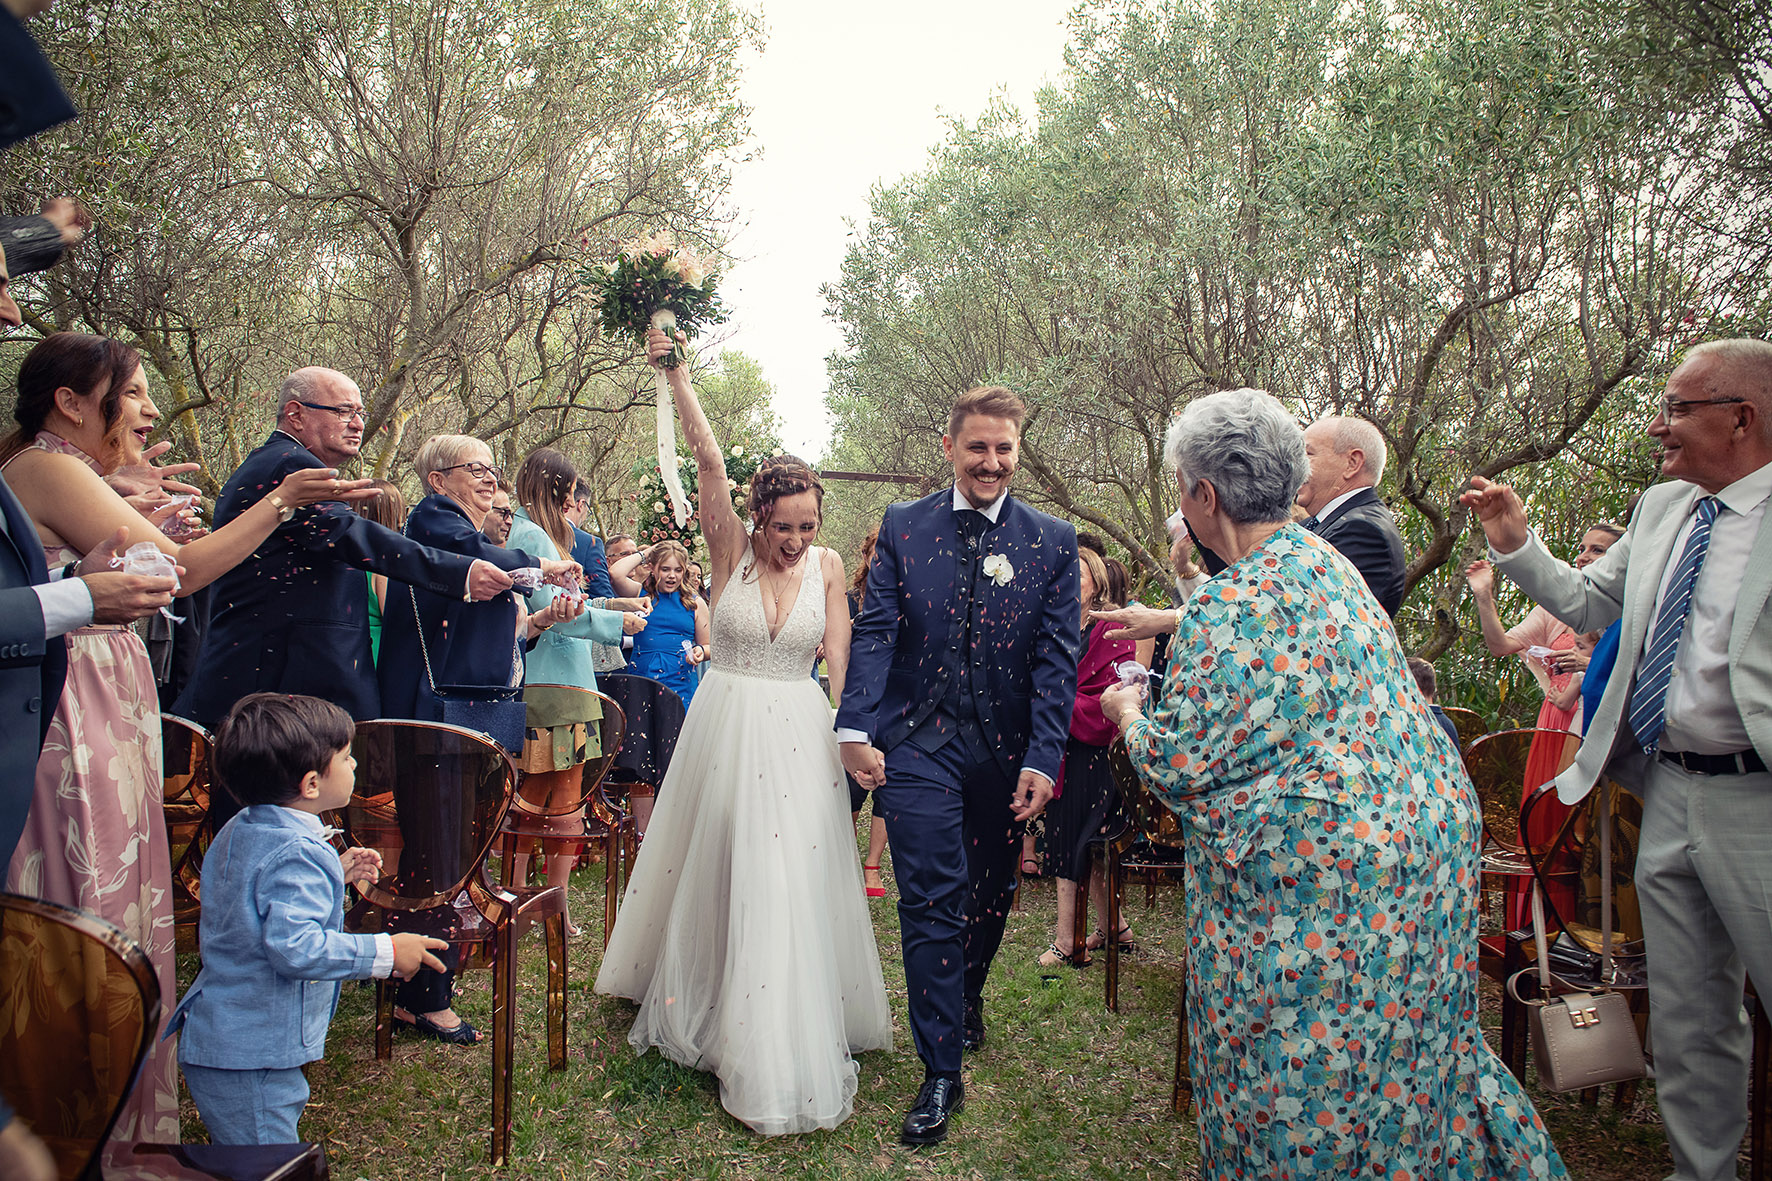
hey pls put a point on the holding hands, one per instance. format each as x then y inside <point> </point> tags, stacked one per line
<point>1121,703</point>
<point>865,763</point>
<point>567,574</point>
<point>118,597</point>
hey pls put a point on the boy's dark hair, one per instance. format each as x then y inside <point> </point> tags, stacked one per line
<point>270,740</point>
<point>1425,678</point>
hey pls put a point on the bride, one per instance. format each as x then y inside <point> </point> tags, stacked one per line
<point>744,935</point>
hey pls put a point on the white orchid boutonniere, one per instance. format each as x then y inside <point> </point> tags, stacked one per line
<point>997,568</point>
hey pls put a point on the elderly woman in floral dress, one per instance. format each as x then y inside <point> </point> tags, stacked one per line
<point>1332,852</point>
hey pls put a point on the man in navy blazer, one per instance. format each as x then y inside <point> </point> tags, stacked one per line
<point>293,617</point>
<point>962,673</point>
<point>1347,458</point>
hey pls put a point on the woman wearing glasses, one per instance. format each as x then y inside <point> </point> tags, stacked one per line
<point>432,639</point>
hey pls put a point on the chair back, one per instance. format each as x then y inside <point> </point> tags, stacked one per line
<point>1497,766</point>
<point>188,749</point>
<point>1568,868</point>
<point>1149,815</point>
<point>1471,724</point>
<point>80,1005</point>
<point>433,795</point>
<point>604,735</point>
<point>654,715</point>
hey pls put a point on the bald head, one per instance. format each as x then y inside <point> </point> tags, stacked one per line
<point>324,410</point>
<point>1344,453</point>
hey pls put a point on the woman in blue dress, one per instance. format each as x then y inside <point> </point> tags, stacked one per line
<point>675,641</point>
<point>1331,852</point>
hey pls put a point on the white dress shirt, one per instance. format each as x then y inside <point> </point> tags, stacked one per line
<point>66,603</point>
<point>1702,717</point>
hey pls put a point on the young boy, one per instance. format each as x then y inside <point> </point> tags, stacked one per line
<point>273,911</point>
<point>1429,683</point>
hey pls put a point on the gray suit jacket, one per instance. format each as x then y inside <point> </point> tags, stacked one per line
<point>1623,584</point>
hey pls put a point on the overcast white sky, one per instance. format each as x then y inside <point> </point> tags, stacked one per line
<point>845,95</point>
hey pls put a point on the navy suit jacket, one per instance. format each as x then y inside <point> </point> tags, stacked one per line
<point>1025,632</point>
<point>293,618</point>
<point>469,643</point>
<point>1365,532</point>
<point>587,551</point>
<point>32,667</point>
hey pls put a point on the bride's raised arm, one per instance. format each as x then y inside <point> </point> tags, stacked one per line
<point>719,523</point>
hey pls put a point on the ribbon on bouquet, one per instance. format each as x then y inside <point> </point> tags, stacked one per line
<point>666,322</point>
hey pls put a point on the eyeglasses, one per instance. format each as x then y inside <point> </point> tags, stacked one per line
<point>477,470</point>
<point>1679,407</point>
<point>345,413</point>
<point>507,514</point>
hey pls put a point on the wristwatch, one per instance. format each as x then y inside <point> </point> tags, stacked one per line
<point>284,511</point>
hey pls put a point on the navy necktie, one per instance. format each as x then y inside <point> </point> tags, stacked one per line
<point>1310,523</point>
<point>1648,709</point>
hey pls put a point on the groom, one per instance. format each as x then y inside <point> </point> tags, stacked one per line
<point>962,673</point>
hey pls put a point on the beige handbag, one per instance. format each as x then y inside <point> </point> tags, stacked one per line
<point>1582,1039</point>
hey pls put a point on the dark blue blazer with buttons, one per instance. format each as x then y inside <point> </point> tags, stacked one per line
<point>294,617</point>
<point>32,668</point>
<point>468,643</point>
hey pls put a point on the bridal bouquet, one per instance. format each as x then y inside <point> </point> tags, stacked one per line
<point>656,283</point>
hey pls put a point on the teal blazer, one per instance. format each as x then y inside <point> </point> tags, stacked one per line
<point>562,654</point>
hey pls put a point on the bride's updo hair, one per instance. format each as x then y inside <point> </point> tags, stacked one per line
<point>779,476</point>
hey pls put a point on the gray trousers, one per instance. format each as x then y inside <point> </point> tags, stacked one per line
<point>1704,879</point>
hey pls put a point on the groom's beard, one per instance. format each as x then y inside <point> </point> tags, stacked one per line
<point>971,493</point>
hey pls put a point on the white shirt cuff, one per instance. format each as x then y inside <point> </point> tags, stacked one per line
<point>845,735</point>
<point>384,958</point>
<point>66,603</point>
<point>1050,781</point>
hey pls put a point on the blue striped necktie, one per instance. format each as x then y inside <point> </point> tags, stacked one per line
<point>1648,711</point>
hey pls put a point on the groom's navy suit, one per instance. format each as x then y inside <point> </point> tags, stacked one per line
<point>962,679</point>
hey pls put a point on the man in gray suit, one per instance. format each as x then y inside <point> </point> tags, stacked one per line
<point>1686,719</point>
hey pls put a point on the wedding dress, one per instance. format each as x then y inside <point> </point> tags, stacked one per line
<point>744,934</point>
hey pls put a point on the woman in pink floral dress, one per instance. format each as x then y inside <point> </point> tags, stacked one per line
<point>96,838</point>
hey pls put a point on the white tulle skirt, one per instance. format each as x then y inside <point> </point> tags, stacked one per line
<point>745,934</point>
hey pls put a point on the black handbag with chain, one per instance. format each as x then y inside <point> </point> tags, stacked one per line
<point>496,711</point>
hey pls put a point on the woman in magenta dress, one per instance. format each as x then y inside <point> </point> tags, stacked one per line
<point>1085,802</point>
<point>96,837</point>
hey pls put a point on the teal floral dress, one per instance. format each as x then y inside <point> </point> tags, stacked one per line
<point>1332,890</point>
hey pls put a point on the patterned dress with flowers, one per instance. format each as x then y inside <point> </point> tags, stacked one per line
<point>1332,890</point>
<point>96,836</point>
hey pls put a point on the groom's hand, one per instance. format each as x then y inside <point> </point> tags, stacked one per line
<point>865,762</point>
<point>1033,791</point>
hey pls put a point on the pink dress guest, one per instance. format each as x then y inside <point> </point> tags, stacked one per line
<point>96,837</point>
<point>1545,757</point>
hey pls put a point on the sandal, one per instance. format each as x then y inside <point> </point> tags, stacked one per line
<point>460,1034</point>
<point>1128,945</point>
<point>1052,957</point>
<point>1027,872</point>
<point>872,891</point>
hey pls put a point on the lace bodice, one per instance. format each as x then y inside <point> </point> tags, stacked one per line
<point>740,636</point>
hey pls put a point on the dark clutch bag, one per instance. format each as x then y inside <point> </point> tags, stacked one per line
<point>497,713</point>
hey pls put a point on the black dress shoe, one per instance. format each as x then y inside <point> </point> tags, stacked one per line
<point>972,1026</point>
<point>927,1121</point>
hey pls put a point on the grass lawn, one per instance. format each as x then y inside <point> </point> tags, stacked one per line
<point>1063,1088</point>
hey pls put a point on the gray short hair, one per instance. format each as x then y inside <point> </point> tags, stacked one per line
<point>1356,434</point>
<point>1745,365</point>
<point>1248,445</point>
<point>444,451</point>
